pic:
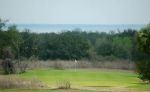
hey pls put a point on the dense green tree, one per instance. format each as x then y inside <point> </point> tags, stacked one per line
<point>143,64</point>
<point>9,38</point>
<point>8,51</point>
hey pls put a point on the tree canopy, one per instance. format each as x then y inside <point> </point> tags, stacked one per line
<point>67,45</point>
<point>143,64</point>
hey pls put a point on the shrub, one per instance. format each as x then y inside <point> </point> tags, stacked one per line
<point>7,64</point>
<point>143,42</point>
<point>8,67</point>
<point>64,84</point>
<point>144,70</point>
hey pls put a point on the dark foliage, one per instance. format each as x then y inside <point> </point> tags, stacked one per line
<point>143,68</point>
<point>8,67</point>
<point>143,59</point>
<point>7,64</point>
<point>68,45</point>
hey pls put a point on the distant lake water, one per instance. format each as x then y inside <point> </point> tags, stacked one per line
<point>42,28</point>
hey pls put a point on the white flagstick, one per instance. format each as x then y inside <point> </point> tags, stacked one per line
<point>75,65</point>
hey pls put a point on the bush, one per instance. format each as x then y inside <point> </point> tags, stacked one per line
<point>143,42</point>
<point>8,67</point>
<point>64,84</point>
<point>143,68</point>
<point>7,64</point>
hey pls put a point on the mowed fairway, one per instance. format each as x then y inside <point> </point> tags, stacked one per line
<point>87,79</point>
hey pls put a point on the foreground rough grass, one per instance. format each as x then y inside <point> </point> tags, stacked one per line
<point>44,90</point>
<point>11,81</point>
<point>95,80</point>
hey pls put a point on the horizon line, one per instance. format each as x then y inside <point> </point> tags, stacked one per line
<point>68,24</point>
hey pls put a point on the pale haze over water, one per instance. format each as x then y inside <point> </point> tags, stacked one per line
<point>39,28</point>
<point>96,15</point>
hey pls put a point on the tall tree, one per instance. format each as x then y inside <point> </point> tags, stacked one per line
<point>143,64</point>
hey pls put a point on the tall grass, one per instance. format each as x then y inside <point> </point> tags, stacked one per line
<point>70,64</point>
<point>10,81</point>
<point>60,64</point>
<point>63,84</point>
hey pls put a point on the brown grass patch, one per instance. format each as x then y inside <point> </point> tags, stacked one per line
<point>11,81</point>
<point>60,64</point>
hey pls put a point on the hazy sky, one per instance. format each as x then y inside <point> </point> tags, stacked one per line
<point>76,11</point>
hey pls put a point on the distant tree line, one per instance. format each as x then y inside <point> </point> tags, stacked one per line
<point>68,45</point>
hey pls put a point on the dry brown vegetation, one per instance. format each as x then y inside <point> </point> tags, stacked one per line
<point>11,81</point>
<point>60,64</point>
<point>69,64</point>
